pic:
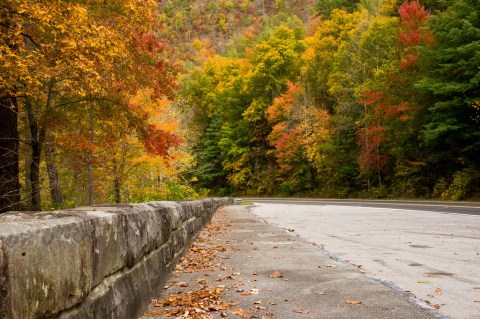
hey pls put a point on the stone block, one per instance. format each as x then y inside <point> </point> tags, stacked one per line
<point>49,264</point>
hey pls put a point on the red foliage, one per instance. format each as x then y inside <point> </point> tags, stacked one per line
<point>413,17</point>
<point>370,139</point>
<point>154,65</point>
<point>286,135</point>
<point>158,141</point>
<point>412,31</point>
<point>384,109</point>
<point>289,149</point>
<point>150,43</point>
<point>282,106</point>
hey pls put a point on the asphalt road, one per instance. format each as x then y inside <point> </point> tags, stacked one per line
<point>430,250</point>
<point>469,208</point>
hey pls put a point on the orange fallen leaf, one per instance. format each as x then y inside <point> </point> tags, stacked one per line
<point>438,291</point>
<point>183,284</point>
<point>477,301</point>
<point>241,313</point>
<point>353,302</point>
<point>276,274</point>
<point>156,313</point>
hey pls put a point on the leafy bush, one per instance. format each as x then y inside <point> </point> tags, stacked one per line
<point>170,191</point>
<point>463,185</point>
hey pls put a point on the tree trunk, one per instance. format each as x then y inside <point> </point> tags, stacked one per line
<point>117,184</point>
<point>54,185</point>
<point>36,148</point>
<point>118,197</point>
<point>90,157</point>
<point>37,132</point>
<point>75,178</point>
<point>9,170</point>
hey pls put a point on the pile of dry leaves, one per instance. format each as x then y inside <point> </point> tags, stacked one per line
<point>201,257</point>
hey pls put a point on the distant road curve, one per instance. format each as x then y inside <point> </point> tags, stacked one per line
<point>469,208</point>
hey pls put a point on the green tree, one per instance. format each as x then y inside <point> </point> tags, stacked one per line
<point>450,81</point>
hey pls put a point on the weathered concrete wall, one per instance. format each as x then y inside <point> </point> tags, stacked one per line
<point>96,262</point>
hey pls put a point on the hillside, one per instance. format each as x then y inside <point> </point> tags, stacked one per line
<point>219,26</point>
<point>332,98</point>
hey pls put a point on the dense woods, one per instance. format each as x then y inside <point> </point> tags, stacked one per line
<point>85,115</point>
<point>368,98</point>
<point>131,100</point>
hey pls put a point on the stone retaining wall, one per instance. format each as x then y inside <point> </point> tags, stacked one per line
<point>95,262</point>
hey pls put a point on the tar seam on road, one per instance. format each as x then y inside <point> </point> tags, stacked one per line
<point>386,283</point>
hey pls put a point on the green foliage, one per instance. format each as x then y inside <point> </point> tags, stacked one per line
<point>326,7</point>
<point>451,80</point>
<point>291,21</point>
<point>463,185</point>
<point>171,191</point>
<point>381,99</point>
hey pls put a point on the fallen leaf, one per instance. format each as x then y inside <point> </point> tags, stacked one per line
<point>156,313</point>
<point>254,273</point>
<point>254,291</point>
<point>477,301</point>
<point>275,274</point>
<point>301,311</point>
<point>353,302</point>
<point>241,313</point>
<point>331,266</point>
<point>202,281</point>
<point>423,281</point>
<point>269,314</point>
<point>438,291</point>
<point>183,284</point>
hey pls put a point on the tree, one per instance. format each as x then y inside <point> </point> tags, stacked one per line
<point>319,57</point>
<point>292,136</point>
<point>451,78</point>
<point>326,7</point>
<point>9,170</point>
<point>55,55</point>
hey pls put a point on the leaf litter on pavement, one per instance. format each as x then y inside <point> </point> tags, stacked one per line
<point>206,302</point>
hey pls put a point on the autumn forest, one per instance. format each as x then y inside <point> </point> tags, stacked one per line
<point>139,100</point>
